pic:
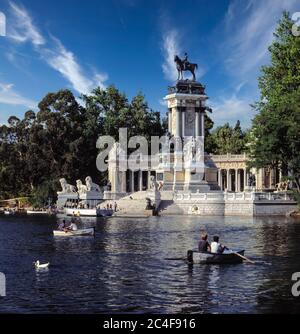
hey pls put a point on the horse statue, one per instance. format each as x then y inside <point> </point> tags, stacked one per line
<point>184,65</point>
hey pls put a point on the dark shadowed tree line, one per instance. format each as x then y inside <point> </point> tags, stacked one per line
<point>59,140</point>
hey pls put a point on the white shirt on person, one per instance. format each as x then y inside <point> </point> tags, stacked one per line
<point>216,247</point>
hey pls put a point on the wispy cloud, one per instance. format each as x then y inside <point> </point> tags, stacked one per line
<point>53,52</point>
<point>249,30</point>
<point>65,62</point>
<point>8,95</point>
<point>230,109</point>
<point>22,28</point>
<point>171,46</point>
<point>170,49</point>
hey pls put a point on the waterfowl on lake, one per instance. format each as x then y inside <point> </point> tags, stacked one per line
<point>38,265</point>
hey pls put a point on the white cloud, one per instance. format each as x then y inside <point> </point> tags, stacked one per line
<point>65,63</point>
<point>171,42</point>
<point>21,28</point>
<point>10,96</point>
<point>230,109</point>
<point>249,31</point>
<point>170,49</point>
<point>56,56</point>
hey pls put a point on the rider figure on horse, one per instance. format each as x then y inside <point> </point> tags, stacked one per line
<point>185,61</point>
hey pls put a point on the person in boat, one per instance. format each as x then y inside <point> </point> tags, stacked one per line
<point>62,225</point>
<point>216,247</point>
<point>73,226</point>
<point>203,245</point>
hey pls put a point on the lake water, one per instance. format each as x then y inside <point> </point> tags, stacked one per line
<point>124,270</point>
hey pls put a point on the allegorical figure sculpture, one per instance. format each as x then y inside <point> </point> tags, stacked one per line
<point>153,184</point>
<point>66,188</point>
<point>81,188</point>
<point>183,65</point>
<point>90,185</point>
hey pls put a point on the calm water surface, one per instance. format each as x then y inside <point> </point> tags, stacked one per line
<point>124,270</point>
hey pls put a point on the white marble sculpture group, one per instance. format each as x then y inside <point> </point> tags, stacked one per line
<point>82,189</point>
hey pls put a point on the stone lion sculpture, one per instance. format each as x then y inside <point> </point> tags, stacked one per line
<point>282,186</point>
<point>90,185</point>
<point>82,189</point>
<point>66,188</point>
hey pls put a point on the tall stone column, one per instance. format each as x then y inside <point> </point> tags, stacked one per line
<point>197,123</point>
<point>240,179</point>
<point>228,180</point>
<point>170,120</point>
<point>236,171</point>
<point>178,122</point>
<point>132,181</point>
<point>183,122</point>
<point>149,175</point>
<point>202,124</point>
<point>220,178</point>
<point>245,178</point>
<point>141,180</point>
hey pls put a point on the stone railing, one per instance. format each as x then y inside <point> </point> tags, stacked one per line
<point>229,157</point>
<point>227,196</point>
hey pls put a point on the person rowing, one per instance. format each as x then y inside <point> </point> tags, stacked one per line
<point>216,247</point>
<point>73,226</point>
<point>62,225</point>
<point>203,245</point>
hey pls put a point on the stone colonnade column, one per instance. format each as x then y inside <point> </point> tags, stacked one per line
<point>140,180</point>
<point>228,179</point>
<point>220,179</point>
<point>170,120</point>
<point>197,122</point>
<point>178,122</point>
<point>182,122</point>
<point>202,133</point>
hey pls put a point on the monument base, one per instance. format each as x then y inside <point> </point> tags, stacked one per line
<point>62,199</point>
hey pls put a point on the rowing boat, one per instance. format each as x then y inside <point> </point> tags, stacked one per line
<point>88,212</point>
<point>32,212</point>
<point>228,257</point>
<point>82,232</point>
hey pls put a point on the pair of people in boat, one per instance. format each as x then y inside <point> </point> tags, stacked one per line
<point>214,247</point>
<point>67,227</point>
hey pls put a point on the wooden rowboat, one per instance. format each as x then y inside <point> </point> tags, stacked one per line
<point>228,257</point>
<point>82,232</point>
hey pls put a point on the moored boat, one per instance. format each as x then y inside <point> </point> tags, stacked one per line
<point>9,212</point>
<point>82,232</point>
<point>88,212</point>
<point>228,257</point>
<point>40,212</point>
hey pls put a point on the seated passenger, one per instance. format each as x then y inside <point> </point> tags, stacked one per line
<point>203,245</point>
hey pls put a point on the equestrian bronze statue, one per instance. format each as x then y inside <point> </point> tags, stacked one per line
<point>183,65</point>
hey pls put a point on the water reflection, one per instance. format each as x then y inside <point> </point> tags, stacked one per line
<point>123,268</point>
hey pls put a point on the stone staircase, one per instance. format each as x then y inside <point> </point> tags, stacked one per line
<point>133,205</point>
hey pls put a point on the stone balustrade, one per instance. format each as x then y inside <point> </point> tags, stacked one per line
<point>227,196</point>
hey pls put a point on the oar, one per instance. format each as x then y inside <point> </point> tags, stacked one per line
<point>243,257</point>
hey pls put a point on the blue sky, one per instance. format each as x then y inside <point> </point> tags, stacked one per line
<point>76,44</point>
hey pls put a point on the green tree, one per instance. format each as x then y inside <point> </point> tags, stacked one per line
<point>228,139</point>
<point>276,127</point>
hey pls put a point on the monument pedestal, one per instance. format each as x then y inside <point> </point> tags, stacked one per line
<point>110,195</point>
<point>62,199</point>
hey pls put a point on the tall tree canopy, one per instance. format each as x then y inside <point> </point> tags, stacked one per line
<point>276,127</point>
<point>227,139</point>
<point>59,140</point>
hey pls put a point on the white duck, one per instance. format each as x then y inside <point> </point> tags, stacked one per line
<point>38,265</point>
